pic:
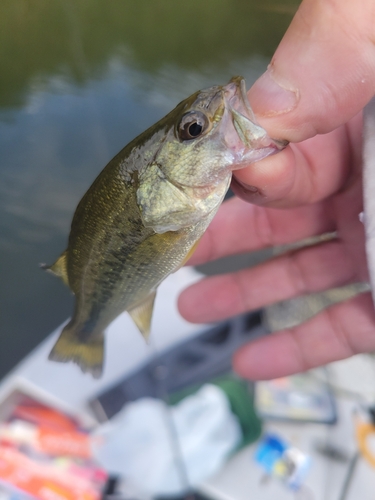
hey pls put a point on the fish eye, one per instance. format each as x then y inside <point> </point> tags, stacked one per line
<point>192,125</point>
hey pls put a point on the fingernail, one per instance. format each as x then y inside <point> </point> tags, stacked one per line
<point>244,191</point>
<point>270,97</point>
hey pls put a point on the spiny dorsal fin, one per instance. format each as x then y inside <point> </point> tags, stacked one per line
<point>141,314</point>
<point>59,268</point>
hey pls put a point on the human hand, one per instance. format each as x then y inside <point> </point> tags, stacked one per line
<point>326,66</point>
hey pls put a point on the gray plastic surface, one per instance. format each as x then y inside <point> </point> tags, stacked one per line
<point>195,361</point>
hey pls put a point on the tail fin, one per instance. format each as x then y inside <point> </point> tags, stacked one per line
<point>88,354</point>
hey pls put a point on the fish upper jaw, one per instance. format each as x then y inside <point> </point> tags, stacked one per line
<point>247,141</point>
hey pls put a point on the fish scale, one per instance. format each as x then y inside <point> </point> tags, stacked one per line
<point>145,212</point>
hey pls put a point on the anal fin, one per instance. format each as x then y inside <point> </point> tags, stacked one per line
<point>141,314</point>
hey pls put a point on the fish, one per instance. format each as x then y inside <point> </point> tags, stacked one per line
<point>144,214</point>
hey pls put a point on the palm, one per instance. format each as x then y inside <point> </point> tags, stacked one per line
<point>338,332</point>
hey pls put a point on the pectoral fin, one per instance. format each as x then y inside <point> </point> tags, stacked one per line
<point>190,253</point>
<point>164,207</point>
<point>141,314</point>
<point>58,268</point>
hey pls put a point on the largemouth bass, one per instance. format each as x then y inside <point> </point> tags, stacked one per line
<point>143,215</point>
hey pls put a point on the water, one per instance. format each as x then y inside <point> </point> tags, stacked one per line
<point>79,79</point>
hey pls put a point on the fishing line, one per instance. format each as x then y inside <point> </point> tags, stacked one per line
<point>349,476</point>
<point>159,374</point>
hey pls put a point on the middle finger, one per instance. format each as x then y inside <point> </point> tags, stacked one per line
<point>308,270</point>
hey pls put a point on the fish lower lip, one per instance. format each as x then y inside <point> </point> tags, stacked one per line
<point>237,97</point>
<point>245,101</point>
<point>252,135</point>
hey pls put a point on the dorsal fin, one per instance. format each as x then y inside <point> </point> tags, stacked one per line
<point>58,268</point>
<point>141,314</point>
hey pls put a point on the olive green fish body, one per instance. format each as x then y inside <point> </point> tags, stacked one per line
<point>142,216</point>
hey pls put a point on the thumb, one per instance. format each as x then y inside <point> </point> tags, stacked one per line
<point>323,72</point>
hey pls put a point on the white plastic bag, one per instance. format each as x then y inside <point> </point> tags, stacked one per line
<point>138,443</point>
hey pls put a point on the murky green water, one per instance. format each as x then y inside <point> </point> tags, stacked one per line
<point>78,80</point>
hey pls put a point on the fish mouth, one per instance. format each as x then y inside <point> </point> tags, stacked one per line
<point>258,144</point>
